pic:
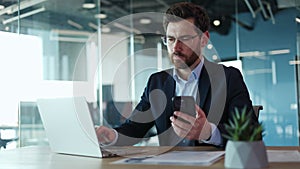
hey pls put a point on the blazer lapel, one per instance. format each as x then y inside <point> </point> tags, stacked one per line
<point>204,86</point>
<point>169,88</point>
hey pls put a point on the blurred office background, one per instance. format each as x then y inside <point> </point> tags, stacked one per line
<point>105,50</point>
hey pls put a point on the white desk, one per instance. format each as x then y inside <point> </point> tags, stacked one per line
<point>43,158</point>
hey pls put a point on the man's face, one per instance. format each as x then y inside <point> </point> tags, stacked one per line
<point>184,43</point>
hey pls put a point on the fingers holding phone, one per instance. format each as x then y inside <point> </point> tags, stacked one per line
<point>189,119</point>
<point>184,114</point>
<point>184,104</point>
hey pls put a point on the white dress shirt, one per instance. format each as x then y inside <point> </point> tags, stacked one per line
<point>189,87</point>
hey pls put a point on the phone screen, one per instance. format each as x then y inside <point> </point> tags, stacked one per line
<point>185,104</point>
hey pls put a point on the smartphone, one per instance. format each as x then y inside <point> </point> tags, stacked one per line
<point>185,104</point>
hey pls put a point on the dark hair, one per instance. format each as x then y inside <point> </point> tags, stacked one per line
<point>185,10</point>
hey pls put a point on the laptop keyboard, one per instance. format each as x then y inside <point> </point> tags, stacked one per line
<point>121,151</point>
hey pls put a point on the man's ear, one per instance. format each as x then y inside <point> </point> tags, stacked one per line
<point>204,39</point>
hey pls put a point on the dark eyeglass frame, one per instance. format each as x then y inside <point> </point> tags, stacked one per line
<point>183,39</point>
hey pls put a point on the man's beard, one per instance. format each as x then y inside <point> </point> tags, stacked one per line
<point>184,62</point>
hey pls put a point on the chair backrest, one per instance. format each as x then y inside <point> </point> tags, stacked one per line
<point>117,112</point>
<point>257,108</point>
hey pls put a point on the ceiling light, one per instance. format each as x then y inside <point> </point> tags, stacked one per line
<point>297,19</point>
<point>214,57</point>
<point>69,32</point>
<point>2,7</point>
<point>101,16</point>
<point>217,22</point>
<point>252,54</point>
<point>126,28</point>
<point>278,52</point>
<point>33,12</point>
<point>74,24</point>
<point>23,5</point>
<point>209,46</point>
<point>92,25</point>
<point>69,35</point>
<point>294,62</point>
<point>145,21</point>
<point>89,4</point>
<point>105,29</point>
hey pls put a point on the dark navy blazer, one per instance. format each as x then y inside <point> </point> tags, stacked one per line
<point>221,90</point>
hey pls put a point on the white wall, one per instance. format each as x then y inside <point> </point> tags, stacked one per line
<point>20,71</point>
<point>115,65</point>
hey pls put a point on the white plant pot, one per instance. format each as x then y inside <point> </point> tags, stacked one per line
<point>242,154</point>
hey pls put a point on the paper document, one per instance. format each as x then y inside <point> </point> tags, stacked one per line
<point>178,158</point>
<point>283,156</point>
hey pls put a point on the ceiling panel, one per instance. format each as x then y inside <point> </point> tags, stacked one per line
<point>69,14</point>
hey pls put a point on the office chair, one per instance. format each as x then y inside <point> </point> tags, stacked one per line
<point>257,109</point>
<point>117,112</point>
<point>3,142</point>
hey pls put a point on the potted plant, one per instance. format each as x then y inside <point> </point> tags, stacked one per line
<point>245,148</point>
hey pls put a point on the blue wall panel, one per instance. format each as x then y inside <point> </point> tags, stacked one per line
<point>270,78</point>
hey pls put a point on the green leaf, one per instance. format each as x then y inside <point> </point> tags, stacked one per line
<point>231,124</point>
<point>245,125</point>
<point>240,128</point>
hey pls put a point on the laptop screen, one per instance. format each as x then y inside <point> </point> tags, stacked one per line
<point>69,127</point>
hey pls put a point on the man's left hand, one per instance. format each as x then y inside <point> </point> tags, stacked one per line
<point>195,128</point>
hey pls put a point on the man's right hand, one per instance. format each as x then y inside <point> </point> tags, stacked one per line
<point>105,135</point>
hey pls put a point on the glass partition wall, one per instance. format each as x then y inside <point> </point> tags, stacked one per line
<point>106,50</point>
<point>269,55</point>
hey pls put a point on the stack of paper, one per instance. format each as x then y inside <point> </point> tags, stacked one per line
<point>178,158</point>
<point>283,156</point>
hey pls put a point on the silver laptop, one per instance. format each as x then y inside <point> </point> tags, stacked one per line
<point>70,129</point>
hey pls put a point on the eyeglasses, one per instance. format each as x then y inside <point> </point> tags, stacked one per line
<point>186,39</point>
